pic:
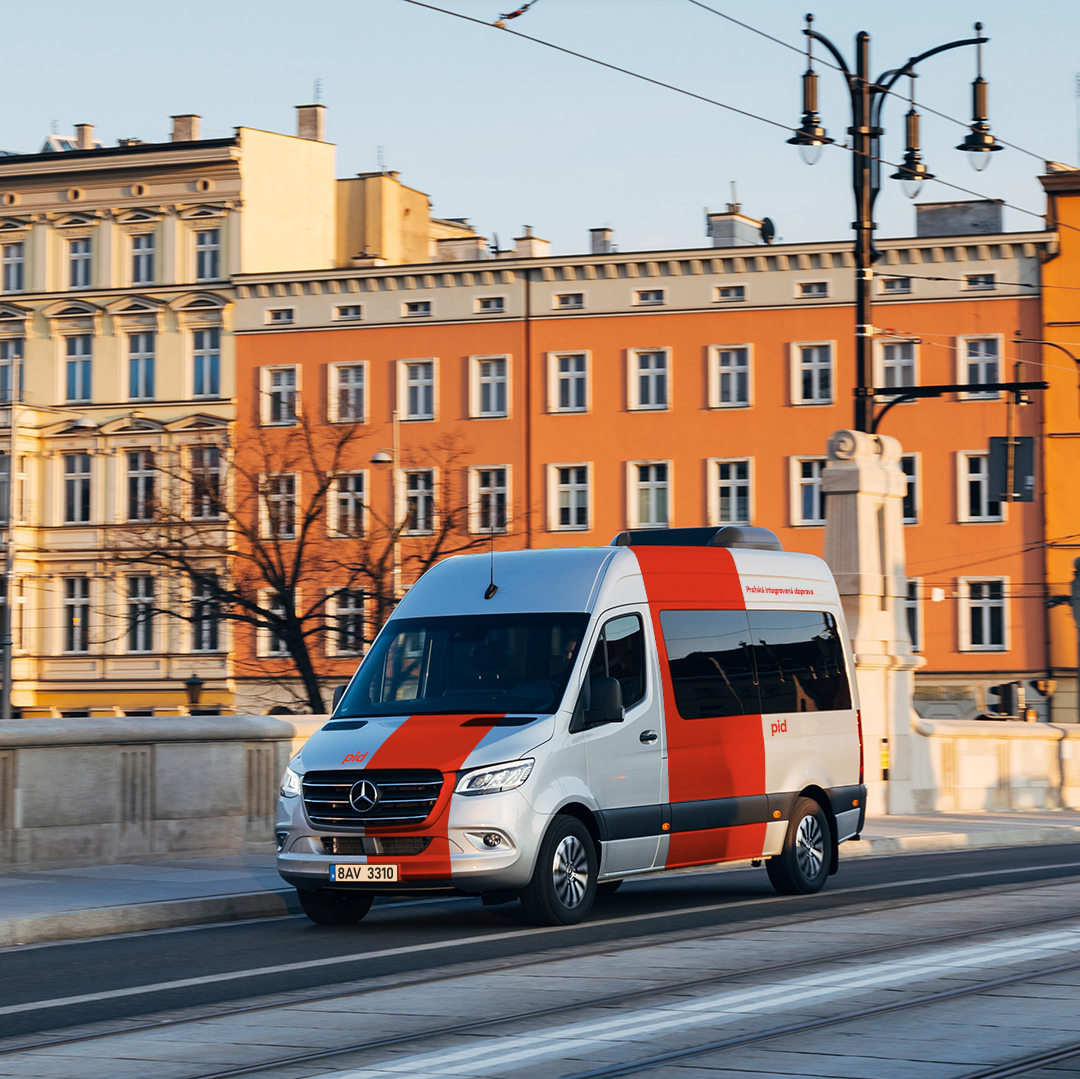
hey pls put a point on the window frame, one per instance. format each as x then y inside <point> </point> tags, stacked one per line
<point>796,490</point>
<point>333,619</point>
<point>716,375</point>
<point>987,284</point>
<point>477,383</point>
<point>75,625</point>
<point>882,366</point>
<point>77,490</point>
<point>333,391</point>
<point>335,499</point>
<point>207,252</point>
<point>205,616</point>
<point>203,494</point>
<point>478,308</point>
<point>568,301</point>
<point>913,611</point>
<point>796,365</point>
<point>638,299</point>
<point>279,316</point>
<point>713,465</point>
<point>80,263</point>
<point>274,398</point>
<point>554,488</point>
<point>406,495</point>
<point>13,268</point>
<point>635,487</point>
<point>418,308</point>
<point>476,496</point>
<point>271,500</point>
<point>819,284</point>
<point>78,370</point>
<point>963,365</point>
<point>142,364</point>
<point>912,488</point>
<point>140,633</point>
<point>209,358</point>
<point>965,608</point>
<point>555,379</point>
<point>963,479</point>
<point>718,296</point>
<point>141,483</point>
<point>143,258</point>
<point>902,285</point>
<point>340,309</point>
<point>634,376</point>
<point>403,389</point>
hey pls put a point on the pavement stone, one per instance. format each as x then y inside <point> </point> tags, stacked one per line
<point>41,906</point>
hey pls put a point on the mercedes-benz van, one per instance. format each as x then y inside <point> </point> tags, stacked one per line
<point>541,723</point>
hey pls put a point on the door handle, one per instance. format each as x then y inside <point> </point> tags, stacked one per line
<point>648,737</point>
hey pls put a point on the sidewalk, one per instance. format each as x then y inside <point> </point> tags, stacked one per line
<point>70,904</point>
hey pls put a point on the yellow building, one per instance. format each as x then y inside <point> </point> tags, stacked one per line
<point>116,324</point>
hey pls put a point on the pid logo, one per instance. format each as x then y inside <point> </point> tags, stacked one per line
<point>355,758</point>
<point>779,727</point>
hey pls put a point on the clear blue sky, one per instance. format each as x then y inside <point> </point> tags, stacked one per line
<point>507,132</point>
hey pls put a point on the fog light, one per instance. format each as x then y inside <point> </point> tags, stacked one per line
<point>281,837</point>
<point>493,839</point>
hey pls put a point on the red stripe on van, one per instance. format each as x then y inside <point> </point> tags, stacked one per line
<point>443,743</point>
<point>707,758</point>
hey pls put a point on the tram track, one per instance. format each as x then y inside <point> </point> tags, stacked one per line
<point>770,970</point>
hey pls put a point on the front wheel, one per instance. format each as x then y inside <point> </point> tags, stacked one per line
<point>563,885</point>
<point>326,907</point>
<point>803,864</point>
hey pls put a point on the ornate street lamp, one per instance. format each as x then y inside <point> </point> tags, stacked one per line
<point>867,99</point>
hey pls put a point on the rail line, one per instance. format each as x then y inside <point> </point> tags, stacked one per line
<point>601,1001</point>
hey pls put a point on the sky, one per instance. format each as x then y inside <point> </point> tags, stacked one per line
<point>507,132</point>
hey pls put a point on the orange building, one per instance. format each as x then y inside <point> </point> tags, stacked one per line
<point>565,398</point>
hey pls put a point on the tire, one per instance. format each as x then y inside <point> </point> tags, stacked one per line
<point>326,907</point>
<point>563,885</point>
<point>802,867</point>
<point>608,887</point>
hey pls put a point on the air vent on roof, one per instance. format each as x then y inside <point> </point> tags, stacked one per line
<point>745,536</point>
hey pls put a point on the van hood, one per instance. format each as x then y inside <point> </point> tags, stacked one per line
<point>447,743</point>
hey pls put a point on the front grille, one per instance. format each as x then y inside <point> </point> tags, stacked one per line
<point>398,845</point>
<point>404,798</point>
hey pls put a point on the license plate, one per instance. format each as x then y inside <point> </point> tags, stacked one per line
<point>340,874</point>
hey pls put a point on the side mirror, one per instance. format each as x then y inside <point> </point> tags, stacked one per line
<point>339,692</point>
<point>607,706</point>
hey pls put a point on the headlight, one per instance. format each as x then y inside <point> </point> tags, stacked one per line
<point>503,777</point>
<point>290,784</point>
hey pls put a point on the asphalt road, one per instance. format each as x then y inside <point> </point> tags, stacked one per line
<point>44,988</point>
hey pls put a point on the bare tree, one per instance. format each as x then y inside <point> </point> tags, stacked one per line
<point>263,536</point>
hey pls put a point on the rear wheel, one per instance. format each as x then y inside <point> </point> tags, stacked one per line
<point>326,907</point>
<point>563,884</point>
<point>803,864</point>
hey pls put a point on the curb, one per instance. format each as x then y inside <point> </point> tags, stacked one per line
<point>943,841</point>
<point>134,918</point>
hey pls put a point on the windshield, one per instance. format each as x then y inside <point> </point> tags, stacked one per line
<point>476,663</point>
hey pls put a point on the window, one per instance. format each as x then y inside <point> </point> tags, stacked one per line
<point>649,379</point>
<point>347,386</point>
<point>206,353</point>
<point>731,294</point>
<point>76,488</point>
<point>711,663</point>
<point>978,361</point>
<point>348,622</point>
<point>910,467</point>
<point>349,312</point>
<point>731,492</point>
<point>13,263</point>
<point>76,614</point>
<point>913,611</point>
<point>79,263</point>
<point>649,297</point>
<point>979,281</point>
<point>205,483</point>
<point>489,375</point>
<point>142,259</point>
<point>975,501</point>
<point>569,301</point>
<point>729,376</point>
<point>347,505</point>
<point>894,285</point>
<point>417,309</point>
<point>208,255</point>
<point>815,290</point>
<point>140,630</point>
<point>280,316</point>
<point>808,504</point>
<point>11,354</point>
<point>896,361</point>
<point>570,499</point>
<point>812,378</point>
<point>799,661</point>
<point>280,498</point>
<point>205,617</point>
<point>982,614</point>
<point>620,654</point>
<point>78,368</point>
<point>490,305</point>
<point>420,501</point>
<point>276,644</point>
<point>141,477</point>
<point>279,395</point>
<point>649,490</point>
<point>488,499</point>
<point>419,387</point>
<point>141,366</point>
<point>569,389</point>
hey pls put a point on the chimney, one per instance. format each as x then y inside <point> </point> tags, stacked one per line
<point>733,228</point>
<point>84,136</point>
<point>530,246</point>
<point>974,217</point>
<point>185,127</point>
<point>601,241</point>
<point>311,122</point>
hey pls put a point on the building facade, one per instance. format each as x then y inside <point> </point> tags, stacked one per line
<point>588,394</point>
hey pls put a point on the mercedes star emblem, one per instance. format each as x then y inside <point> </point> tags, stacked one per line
<point>363,796</point>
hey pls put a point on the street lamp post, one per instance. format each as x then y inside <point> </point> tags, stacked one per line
<point>393,459</point>
<point>7,639</point>
<point>867,99</point>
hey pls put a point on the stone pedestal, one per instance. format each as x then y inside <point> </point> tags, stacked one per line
<point>864,546</point>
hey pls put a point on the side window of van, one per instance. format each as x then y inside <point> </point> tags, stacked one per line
<point>800,661</point>
<point>711,662</point>
<point>620,654</point>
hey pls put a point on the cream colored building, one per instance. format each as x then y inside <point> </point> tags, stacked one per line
<point>116,317</point>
